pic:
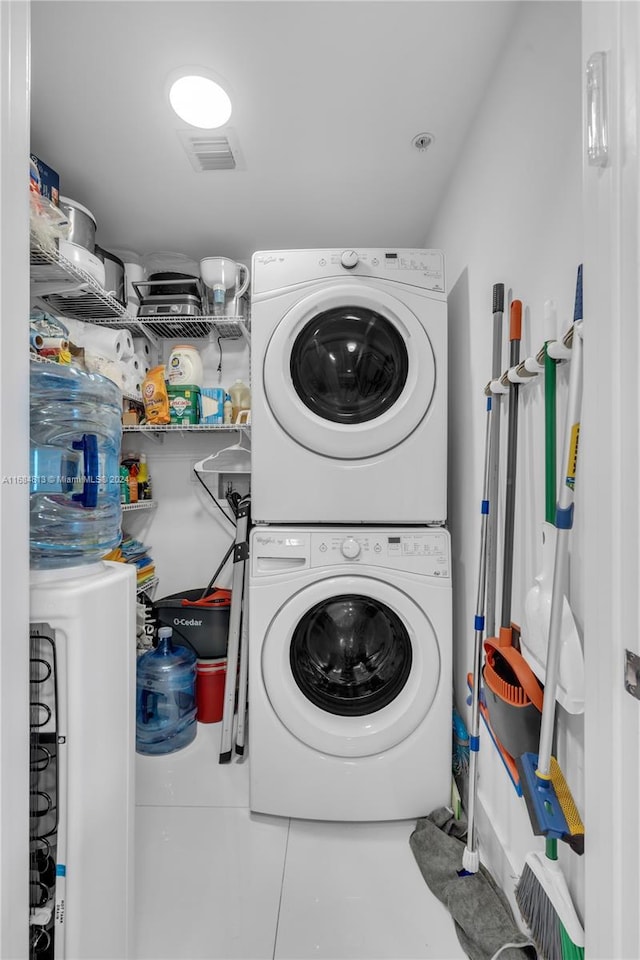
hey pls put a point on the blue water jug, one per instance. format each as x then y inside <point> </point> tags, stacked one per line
<point>165,697</point>
<point>76,432</point>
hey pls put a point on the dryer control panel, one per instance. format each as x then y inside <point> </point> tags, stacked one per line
<point>276,269</point>
<point>426,552</point>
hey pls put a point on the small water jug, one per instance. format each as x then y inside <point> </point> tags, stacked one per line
<point>240,399</point>
<point>75,436</point>
<point>165,697</point>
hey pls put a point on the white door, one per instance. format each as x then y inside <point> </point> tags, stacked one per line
<point>14,468</point>
<point>349,371</point>
<point>610,448</point>
<point>351,665</point>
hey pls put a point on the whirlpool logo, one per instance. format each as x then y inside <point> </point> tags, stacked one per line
<point>186,623</point>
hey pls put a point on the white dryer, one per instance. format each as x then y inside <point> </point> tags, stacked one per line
<point>349,672</point>
<point>349,386</point>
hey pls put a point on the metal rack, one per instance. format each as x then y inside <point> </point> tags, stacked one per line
<point>140,505</point>
<point>148,585</point>
<point>183,427</point>
<point>46,852</point>
<point>70,291</point>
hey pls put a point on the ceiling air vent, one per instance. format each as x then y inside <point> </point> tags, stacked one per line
<point>209,151</point>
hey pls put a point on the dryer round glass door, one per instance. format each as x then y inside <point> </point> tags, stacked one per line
<point>351,665</point>
<point>349,371</point>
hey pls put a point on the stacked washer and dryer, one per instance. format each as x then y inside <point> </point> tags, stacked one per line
<point>350,563</point>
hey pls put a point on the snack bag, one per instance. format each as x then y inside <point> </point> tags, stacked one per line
<point>156,399</point>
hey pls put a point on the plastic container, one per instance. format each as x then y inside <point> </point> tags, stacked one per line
<point>185,366</point>
<point>165,698</point>
<point>82,223</point>
<point>74,503</point>
<point>184,403</point>
<point>240,399</point>
<point>201,625</point>
<point>210,680</point>
<point>212,403</point>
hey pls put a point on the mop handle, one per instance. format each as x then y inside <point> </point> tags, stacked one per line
<point>564,523</point>
<point>470,855</point>
<point>492,532</point>
<point>515,333</point>
<point>550,327</point>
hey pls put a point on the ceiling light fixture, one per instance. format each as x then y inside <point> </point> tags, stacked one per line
<point>200,101</point>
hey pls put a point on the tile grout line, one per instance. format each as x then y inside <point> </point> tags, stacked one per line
<point>284,868</point>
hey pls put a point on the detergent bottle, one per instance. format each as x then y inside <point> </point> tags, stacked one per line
<point>240,399</point>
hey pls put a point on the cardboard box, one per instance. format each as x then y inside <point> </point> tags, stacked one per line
<point>49,180</point>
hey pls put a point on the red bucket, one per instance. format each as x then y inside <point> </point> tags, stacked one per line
<point>210,680</point>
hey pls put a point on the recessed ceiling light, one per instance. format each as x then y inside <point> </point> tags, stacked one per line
<point>200,101</point>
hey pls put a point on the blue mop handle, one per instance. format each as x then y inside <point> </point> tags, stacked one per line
<point>470,855</point>
<point>564,523</point>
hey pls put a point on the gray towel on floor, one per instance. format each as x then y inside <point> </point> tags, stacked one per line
<point>480,911</point>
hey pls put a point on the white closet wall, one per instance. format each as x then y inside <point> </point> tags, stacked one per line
<point>513,214</point>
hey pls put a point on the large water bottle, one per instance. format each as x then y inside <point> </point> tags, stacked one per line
<point>165,697</point>
<point>76,431</point>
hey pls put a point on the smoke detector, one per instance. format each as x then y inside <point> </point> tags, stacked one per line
<point>422,141</point>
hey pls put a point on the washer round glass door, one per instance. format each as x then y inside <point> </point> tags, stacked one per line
<point>349,371</point>
<point>350,665</point>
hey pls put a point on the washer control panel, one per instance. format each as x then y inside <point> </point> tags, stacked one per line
<point>424,551</point>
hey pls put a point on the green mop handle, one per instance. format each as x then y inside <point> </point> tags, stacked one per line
<point>549,415</point>
<point>564,523</point>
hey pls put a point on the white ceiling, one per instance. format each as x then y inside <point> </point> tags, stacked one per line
<point>327,97</point>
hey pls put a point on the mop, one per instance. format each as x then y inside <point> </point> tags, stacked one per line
<point>542,893</point>
<point>470,857</point>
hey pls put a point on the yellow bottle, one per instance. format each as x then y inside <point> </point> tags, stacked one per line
<point>240,399</point>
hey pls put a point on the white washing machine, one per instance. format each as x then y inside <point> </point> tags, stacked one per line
<point>349,386</point>
<point>349,672</point>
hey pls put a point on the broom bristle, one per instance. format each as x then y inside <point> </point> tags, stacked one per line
<point>547,930</point>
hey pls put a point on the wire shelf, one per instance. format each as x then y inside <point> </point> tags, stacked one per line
<point>195,328</point>
<point>147,585</point>
<point>180,427</point>
<point>71,291</point>
<point>140,505</point>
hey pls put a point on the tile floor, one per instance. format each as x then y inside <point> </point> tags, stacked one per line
<point>216,881</point>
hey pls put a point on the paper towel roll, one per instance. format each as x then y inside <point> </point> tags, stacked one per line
<point>143,347</point>
<point>132,384</point>
<point>107,368</point>
<point>101,341</point>
<point>143,362</point>
<point>132,366</point>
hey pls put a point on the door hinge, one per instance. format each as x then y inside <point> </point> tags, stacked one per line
<point>632,674</point>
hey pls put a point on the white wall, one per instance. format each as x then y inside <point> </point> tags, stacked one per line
<point>512,214</point>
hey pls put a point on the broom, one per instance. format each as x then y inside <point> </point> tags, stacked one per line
<point>542,893</point>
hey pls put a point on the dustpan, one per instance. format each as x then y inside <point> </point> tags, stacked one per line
<point>513,694</point>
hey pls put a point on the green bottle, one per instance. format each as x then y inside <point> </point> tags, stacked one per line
<point>124,484</point>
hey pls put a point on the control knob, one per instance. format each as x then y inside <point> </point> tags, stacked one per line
<point>350,548</point>
<point>349,259</point>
